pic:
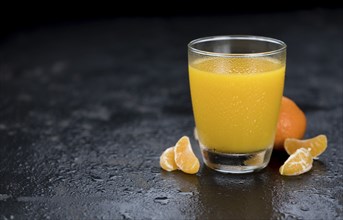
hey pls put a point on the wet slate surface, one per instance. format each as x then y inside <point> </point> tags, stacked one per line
<point>87,108</point>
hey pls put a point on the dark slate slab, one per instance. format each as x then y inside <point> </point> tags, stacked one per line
<point>87,108</point>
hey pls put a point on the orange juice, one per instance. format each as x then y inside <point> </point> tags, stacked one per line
<point>236,102</point>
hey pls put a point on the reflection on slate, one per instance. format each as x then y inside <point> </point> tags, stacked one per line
<point>86,109</point>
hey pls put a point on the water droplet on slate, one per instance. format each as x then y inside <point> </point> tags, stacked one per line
<point>112,177</point>
<point>155,170</point>
<point>162,200</point>
<point>126,216</point>
<point>304,208</point>
<point>96,178</point>
<point>186,193</point>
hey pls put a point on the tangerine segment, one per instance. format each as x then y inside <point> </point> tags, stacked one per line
<point>298,163</point>
<point>316,145</point>
<point>185,159</point>
<point>167,161</point>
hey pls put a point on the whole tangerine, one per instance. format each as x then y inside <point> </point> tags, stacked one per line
<point>291,123</point>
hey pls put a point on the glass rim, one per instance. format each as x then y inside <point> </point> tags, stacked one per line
<point>236,37</point>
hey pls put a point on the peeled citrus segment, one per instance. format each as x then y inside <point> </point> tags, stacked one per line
<point>167,161</point>
<point>316,145</point>
<point>185,159</point>
<point>298,163</point>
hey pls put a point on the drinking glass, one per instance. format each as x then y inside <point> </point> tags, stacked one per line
<point>236,85</point>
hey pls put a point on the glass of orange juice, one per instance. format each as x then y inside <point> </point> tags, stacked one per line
<point>236,85</point>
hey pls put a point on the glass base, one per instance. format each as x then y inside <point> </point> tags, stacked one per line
<point>236,163</point>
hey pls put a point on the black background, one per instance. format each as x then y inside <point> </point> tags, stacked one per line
<point>26,15</point>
